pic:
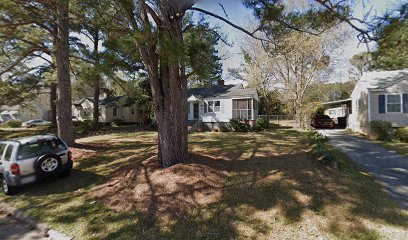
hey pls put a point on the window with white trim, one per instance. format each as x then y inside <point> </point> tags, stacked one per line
<point>393,103</point>
<point>214,106</point>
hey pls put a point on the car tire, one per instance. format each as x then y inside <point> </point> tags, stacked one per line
<point>48,164</point>
<point>5,187</point>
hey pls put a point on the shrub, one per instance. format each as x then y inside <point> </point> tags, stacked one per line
<point>382,130</point>
<point>12,124</point>
<point>225,128</point>
<point>116,122</point>
<point>320,149</point>
<point>402,134</point>
<point>262,123</point>
<point>240,125</point>
<point>316,138</point>
<point>84,127</point>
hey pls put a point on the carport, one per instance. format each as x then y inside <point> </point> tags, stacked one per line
<point>339,111</point>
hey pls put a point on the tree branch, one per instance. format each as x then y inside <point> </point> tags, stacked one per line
<point>230,23</point>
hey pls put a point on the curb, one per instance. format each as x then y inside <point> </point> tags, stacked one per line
<point>47,231</point>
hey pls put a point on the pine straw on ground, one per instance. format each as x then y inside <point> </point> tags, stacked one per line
<point>149,188</point>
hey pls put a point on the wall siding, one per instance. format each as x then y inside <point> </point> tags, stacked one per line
<point>396,119</point>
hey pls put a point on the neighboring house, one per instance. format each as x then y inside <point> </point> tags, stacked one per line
<point>215,106</point>
<point>111,108</point>
<point>28,111</point>
<point>380,96</point>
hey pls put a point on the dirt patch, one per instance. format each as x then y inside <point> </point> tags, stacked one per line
<point>149,188</point>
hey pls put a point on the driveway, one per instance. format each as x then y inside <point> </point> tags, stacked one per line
<point>390,168</point>
<point>11,228</point>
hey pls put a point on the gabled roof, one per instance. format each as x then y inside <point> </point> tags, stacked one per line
<point>383,79</point>
<point>104,101</point>
<point>225,91</point>
<point>110,100</point>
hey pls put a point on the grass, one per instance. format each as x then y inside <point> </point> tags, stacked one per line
<point>274,189</point>
<point>7,133</point>
<point>397,146</point>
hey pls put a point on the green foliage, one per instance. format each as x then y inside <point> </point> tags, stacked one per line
<point>203,63</point>
<point>402,134</point>
<point>382,130</point>
<point>84,127</point>
<point>262,123</point>
<point>12,124</point>
<point>240,125</point>
<point>320,148</point>
<point>392,52</point>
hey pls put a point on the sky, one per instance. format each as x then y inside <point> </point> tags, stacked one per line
<point>238,14</point>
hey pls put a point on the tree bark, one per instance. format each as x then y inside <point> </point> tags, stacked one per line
<point>64,98</point>
<point>96,87</point>
<point>53,106</point>
<point>169,86</point>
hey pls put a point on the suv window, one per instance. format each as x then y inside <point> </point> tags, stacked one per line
<point>9,151</point>
<point>2,148</point>
<point>31,150</point>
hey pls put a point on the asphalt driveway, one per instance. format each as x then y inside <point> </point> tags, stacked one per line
<point>390,168</point>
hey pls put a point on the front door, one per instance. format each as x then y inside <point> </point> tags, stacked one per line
<point>196,110</point>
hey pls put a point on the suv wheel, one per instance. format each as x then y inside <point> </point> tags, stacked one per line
<point>7,189</point>
<point>48,164</point>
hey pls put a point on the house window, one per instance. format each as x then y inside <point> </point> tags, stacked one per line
<point>332,112</point>
<point>394,103</point>
<point>242,109</point>
<point>214,106</point>
<point>115,111</point>
<point>132,111</point>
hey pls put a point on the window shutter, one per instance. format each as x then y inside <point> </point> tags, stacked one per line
<point>205,107</point>
<point>381,103</point>
<point>405,103</point>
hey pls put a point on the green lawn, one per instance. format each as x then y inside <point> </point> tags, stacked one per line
<point>398,146</point>
<point>236,186</point>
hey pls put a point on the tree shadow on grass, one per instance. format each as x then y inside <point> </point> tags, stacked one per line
<point>222,188</point>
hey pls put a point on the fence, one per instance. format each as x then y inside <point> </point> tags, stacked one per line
<point>282,120</point>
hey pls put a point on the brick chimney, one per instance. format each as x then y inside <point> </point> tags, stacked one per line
<point>221,82</point>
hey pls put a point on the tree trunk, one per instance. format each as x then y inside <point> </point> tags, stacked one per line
<point>53,106</point>
<point>169,86</point>
<point>64,98</point>
<point>96,87</point>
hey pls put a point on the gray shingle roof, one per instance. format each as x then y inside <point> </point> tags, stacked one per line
<point>384,79</point>
<point>225,91</point>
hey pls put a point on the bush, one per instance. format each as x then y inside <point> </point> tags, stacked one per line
<point>84,127</point>
<point>240,125</point>
<point>402,134</point>
<point>382,130</point>
<point>12,124</point>
<point>117,122</point>
<point>320,149</point>
<point>262,123</point>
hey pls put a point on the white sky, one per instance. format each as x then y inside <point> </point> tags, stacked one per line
<point>241,16</point>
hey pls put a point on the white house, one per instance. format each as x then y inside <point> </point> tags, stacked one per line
<point>111,108</point>
<point>380,96</point>
<point>215,106</point>
<point>28,111</point>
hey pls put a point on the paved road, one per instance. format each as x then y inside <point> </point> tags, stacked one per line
<point>390,168</point>
<point>12,229</point>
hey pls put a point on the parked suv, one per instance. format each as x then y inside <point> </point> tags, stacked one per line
<point>28,159</point>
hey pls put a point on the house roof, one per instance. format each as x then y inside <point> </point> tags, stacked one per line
<point>109,100</point>
<point>225,91</point>
<point>104,101</point>
<point>383,79</point>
